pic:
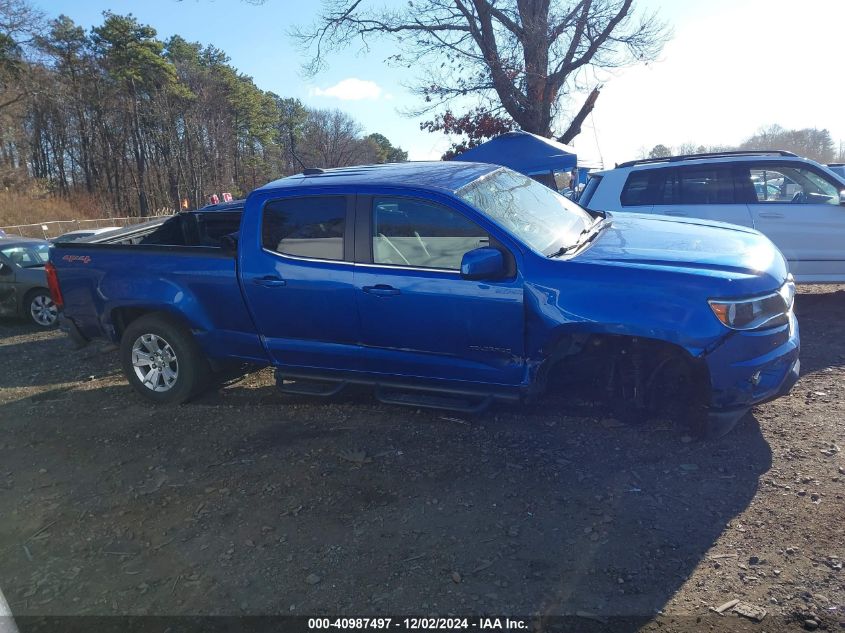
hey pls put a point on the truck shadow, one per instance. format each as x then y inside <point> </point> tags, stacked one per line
<point>550,509</point>
<point>521,511</point>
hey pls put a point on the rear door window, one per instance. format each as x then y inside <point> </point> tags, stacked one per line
<point>311,227</point>
<point>691,185</point>
<point>705,185</point>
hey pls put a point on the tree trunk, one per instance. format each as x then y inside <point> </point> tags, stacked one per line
<point>575,127</point>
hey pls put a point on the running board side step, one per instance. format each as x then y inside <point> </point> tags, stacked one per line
<point>310,387</point>
<point>405,394</point>
<point>432,399</point>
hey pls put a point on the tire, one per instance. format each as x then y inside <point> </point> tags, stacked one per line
<point>162,361</point>
<point>40,309</point>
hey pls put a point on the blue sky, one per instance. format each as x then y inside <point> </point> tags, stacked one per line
<point>732,66</point>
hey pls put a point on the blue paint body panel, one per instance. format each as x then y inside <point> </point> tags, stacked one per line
<point>641,276</point>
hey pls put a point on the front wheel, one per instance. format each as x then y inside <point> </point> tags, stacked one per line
<point>40,308</point>
<point>162,361</point>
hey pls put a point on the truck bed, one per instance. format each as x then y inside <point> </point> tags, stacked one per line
<point>214,229</point>
<point>185,265</point>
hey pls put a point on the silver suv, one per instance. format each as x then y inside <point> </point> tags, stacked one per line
<point>796,202</point>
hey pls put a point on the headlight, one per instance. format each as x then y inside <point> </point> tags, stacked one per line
<point>756,312</point>
<point>787,291</point>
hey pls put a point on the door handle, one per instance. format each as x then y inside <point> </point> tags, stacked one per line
<point>269,281</point>
<point>381,290</point>
<point>770,214</point>
<point>676,213</point>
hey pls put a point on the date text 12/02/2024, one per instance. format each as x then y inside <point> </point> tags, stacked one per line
<point>423,623</point>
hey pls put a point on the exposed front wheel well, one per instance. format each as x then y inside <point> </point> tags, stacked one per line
<point>641,376</point>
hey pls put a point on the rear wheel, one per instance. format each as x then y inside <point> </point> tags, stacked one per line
<point>162,361</point>
<point>40,308</point>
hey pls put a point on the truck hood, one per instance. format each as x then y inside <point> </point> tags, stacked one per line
<point>716,248</point>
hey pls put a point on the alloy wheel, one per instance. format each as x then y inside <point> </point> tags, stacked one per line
<point>154,362</point>
<point>43,311</point>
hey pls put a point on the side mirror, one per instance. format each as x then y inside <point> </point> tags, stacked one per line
<point>483,263</point>
<point>5,269</point>
<point>842,197</point>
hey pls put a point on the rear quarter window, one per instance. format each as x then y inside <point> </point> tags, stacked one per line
<point>635,192</point>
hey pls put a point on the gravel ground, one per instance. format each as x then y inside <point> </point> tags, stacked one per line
<point>250,502</point>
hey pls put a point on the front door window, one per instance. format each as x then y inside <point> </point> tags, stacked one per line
<point>795,185</point>
<point>419,234</point>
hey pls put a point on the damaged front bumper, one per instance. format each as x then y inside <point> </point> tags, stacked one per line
<point>749,368</point>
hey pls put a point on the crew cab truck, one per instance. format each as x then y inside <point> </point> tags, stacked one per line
<point>440,284</point>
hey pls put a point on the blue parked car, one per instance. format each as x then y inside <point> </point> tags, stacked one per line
<point>439,284</point>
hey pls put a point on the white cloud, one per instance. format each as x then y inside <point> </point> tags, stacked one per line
<point>352,89</point>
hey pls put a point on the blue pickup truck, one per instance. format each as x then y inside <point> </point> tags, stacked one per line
<point>439,284</point>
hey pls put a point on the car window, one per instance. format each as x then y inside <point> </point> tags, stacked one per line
<point>705,185</point>
<point>305,227</point>
<point>635,191</point>
<point>28,256</point>
<point>796,185</point>
<point>680,185</point>
<point>411,232</point>
<point>648,187</point>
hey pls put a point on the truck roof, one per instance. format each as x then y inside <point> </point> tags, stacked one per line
<point>440,175</point>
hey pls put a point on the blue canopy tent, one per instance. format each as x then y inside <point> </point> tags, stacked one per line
<point>529,154</point>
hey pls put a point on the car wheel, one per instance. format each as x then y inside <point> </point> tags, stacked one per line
<point>162,361</point>
<point>41,309</point>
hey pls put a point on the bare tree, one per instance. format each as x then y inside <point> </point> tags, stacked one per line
<point>333,139</point>
<point>659,151</point>
<point>810,142</point>
<point>522,57</point>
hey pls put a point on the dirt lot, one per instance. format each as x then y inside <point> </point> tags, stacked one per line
<point>250,502</point>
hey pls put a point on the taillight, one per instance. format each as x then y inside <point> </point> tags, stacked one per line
<point>53,284</point>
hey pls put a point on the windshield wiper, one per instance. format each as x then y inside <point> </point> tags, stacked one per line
<point>591,231</point>
<point>563,250</point>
